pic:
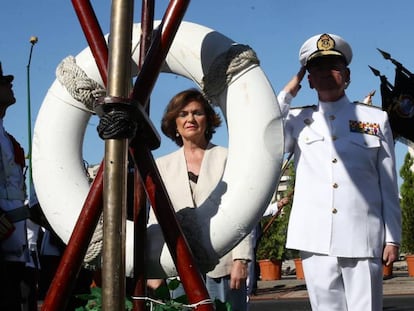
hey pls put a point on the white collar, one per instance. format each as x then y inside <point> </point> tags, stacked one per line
<point>335,106</point>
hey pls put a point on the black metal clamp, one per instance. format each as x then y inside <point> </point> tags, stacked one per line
<point>120,118</point>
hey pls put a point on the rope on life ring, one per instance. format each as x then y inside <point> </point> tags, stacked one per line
<point>226,66</point>
<point>229,74</point>
<point>77,83</point>
<point>85,90</point>
<point>94,251</point>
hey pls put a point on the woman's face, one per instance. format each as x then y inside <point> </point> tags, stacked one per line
<point>192,122</point>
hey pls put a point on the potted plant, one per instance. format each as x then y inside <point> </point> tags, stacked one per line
<point>407,210</point>
<point>271,250</point>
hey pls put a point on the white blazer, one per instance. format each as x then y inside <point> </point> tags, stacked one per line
<point>346,194</point>
<point>173,170</point>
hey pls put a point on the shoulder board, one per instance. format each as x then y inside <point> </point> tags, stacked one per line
<point>364,104</point>
<point>305,107</point>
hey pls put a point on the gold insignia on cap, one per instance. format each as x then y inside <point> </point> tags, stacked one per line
<point>325,43</point>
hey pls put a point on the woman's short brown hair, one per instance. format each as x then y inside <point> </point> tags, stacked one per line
<point>177,103</point>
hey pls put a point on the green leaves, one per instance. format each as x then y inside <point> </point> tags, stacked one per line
<point>179,303</point>
<point>94,301</point>
<point>163,302</point>
<point>407,205</point>
<point>272,243</point>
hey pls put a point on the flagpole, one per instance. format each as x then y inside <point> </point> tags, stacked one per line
<point>33,41</point>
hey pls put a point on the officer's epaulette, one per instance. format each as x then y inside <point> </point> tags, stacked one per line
<point>365,104</point>
<point>314,107</point>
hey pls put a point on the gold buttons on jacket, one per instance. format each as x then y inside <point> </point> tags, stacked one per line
<point>334,137</point>
<point>332,117</point>
<point>334,211</point>
<point>335,185</point>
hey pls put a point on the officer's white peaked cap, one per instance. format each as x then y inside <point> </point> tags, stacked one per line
<point>324,45</point>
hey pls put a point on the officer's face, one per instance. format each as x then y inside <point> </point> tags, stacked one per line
<point>6,94</point>
<point>328,75</point>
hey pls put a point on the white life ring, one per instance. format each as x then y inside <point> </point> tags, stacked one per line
<point>255,150</point>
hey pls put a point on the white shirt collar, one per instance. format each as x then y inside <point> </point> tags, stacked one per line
<point>333,107</point>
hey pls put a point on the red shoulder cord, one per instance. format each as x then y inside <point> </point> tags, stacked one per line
<point>19,157</point>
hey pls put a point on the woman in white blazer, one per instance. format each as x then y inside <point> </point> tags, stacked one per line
<point>345,217</point>
<point>191,173</point>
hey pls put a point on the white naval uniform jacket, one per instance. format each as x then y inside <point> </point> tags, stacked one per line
<point>346,195</point>
<point>12,196</point>
<point>173,170</point>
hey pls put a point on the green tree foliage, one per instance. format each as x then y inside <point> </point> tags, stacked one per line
<point>273,240</point>
<point>407,205</point>
<point>272,243</point>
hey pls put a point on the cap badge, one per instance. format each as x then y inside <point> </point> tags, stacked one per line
<point>325,43</point>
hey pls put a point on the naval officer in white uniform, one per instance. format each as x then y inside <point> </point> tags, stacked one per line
<point>345,219</point>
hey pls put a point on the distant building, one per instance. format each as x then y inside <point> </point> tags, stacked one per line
<point>92,171</point>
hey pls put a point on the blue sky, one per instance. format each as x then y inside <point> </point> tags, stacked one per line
<point>275,29</point>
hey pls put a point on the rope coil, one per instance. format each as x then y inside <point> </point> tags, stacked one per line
<point>95,247</point>
<point>236,59</point>
<point>117,124</point>
<point>77,83</point>
<point>118,117</point>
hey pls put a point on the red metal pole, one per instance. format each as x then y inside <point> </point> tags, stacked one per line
<point>147,26</point>
<point>159,49</point>
<point>93,34</point>
<point>71,261</point>
<point>140,212</point>
<point>140,236</point>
